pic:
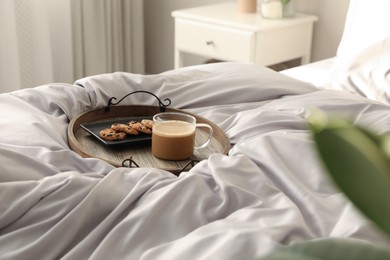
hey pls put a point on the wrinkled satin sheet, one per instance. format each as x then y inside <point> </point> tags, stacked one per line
<point>269,191</point>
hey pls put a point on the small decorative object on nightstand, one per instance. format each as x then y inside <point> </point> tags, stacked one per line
<point>272,9</point>
<point>221,32</point>
<point>288,8</point>
<point>247,6</point>
<point>277,9</point>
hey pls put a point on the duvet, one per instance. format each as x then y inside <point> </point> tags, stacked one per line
<point>269,191</point>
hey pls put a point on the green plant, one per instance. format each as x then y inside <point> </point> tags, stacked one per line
<point>284,2</point>
<point>358,161</point>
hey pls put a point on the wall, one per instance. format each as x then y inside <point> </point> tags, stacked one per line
<point>159,28</point>
<point>328,30</point>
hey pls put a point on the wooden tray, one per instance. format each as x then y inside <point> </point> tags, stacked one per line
<point>86,145</point>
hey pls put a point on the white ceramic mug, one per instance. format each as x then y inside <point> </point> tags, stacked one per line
<point>173,135</point>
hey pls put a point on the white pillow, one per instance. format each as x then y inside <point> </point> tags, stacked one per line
<point>363,58</point>
<point>368,21</point>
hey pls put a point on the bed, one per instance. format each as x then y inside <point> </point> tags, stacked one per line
<point>269,192</point>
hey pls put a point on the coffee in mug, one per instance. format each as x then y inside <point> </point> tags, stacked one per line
<point>173,135</point>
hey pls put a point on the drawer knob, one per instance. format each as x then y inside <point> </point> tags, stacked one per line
<point>210,43</point>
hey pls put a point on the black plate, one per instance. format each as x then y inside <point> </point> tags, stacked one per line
<point>95,127</point>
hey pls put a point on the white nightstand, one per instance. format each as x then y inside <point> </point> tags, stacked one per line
<point>221,32</point>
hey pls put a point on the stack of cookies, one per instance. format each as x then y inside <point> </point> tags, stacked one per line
<point>119,131</point>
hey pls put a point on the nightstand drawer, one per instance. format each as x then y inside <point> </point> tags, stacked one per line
<point>214,41</point>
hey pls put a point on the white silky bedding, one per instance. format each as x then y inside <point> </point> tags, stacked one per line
<point>269,191</point>
<point>316,73</point>
<point>362,61</point>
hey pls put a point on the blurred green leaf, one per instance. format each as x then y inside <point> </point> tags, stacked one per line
<point>358,163</point>
<point>330,249</point>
